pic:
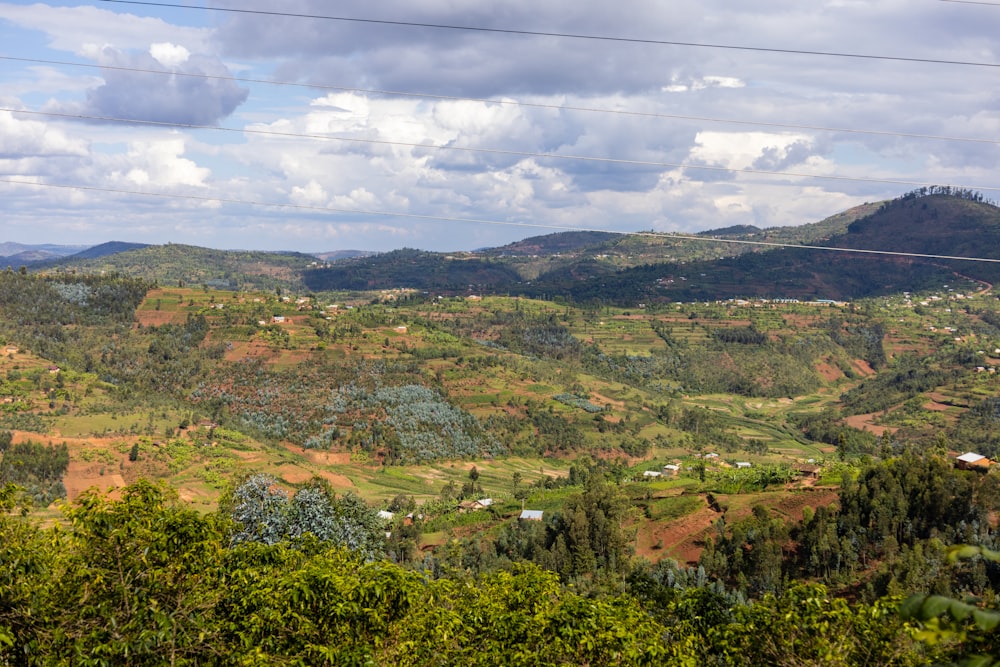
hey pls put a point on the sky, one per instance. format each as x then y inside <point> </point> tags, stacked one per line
<point>254,130</point>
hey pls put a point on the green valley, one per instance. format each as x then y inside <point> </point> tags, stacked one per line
<point>303,470</point>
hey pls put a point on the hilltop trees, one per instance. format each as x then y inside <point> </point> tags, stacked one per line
<point>895,519</point>
<point>587,539</point>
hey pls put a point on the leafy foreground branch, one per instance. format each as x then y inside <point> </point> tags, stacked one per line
<point>968,622</point>
<point>144,581</point>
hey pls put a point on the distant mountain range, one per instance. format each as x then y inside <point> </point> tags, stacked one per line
<point>20,254</point>
<point>915,242</point>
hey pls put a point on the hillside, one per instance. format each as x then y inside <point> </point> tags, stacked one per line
<point>191,265</point>
<point>625,269</point>
<point>413,269</point>
<point>631,269</point>
<point>927,223</point>
<point>105,249</point>
<point>769,460</point>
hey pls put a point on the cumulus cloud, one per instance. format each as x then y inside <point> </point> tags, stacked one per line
<point>31,138</point>
<point>186,96</point>
<point>731,112</point>
<point>160,163</point>
<point>745,150</point>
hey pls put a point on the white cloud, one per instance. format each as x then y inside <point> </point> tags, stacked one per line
<point>668,93</point>
<point>87,30</point>
<point>312,194</point>
<point>169,55</point>
<point>160,163</point>
<point>743,150</point>
<point>677,85</point>
<point>24,137</point>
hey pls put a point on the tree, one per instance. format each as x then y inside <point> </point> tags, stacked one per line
<point>263,512</point>
<point>260,510</point>
<point>136,584</point>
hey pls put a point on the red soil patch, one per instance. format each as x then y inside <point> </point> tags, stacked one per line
<point>155,318</point>
<point>897,346</point>
<point>828,372</point>
<point>295,474</point>
<point>81,476</point>
<point>338,482</point>
<point>866,422</point>
<point>320,457</point>
<point>599,399</point>
<point>794,503</point>
<point>799,322</point>
<point>681,540</point>
<point>240,350</point>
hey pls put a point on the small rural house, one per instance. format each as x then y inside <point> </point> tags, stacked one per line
<point>530,515</point>
<point>474,505</point>
<point>972,461</point>
<point>652,473</point>
<point>808,470</point>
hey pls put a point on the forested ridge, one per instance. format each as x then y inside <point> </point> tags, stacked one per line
<point>627,269</point>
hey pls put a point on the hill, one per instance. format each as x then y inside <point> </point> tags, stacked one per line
<point>105,249</point>
<point>553,259</point>
<point>414,269</point>
<point>733,262</point>
<point>719,264</point>
<point>931,222</point>
<point>18,254</point>
<point>184,264</point>
<point>551,244</point>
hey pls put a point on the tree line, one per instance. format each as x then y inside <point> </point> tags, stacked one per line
<point>144,581</point>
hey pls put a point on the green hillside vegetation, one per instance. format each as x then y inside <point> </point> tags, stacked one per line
<point>177,264</point>
<point>594,267</point>
<point>650,268</point>
<point>740,481</point>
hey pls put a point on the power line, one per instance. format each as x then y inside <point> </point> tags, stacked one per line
<point>536,225</point>
<point>516,103</point>
<point>563,35</point>
<point>497,151</point>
